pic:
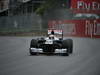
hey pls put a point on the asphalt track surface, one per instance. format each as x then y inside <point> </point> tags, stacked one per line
<point>15,58</point>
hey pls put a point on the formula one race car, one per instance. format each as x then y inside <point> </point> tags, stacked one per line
<point>51,44</point>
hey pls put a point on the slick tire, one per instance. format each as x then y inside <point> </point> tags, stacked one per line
<point>68,43</point>
<point>33,44</point>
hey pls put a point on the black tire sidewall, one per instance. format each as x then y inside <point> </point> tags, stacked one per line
<point>33,44</point>
<point>68,43</point>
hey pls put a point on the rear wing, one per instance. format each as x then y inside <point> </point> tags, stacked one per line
<point>56,32</point>
<point>60,32</point>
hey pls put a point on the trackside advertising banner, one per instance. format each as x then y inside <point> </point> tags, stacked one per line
<point>80,28</point>
<point>86,6</point>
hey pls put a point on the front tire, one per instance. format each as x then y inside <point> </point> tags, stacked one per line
<point>65,54</point>
<point>68,44</point>
<point>33,53</point>
<point>33,44</point>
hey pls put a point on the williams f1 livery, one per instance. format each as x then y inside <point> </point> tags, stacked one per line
<point>51,44</point>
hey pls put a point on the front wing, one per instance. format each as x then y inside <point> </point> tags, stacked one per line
<point>40,50</point>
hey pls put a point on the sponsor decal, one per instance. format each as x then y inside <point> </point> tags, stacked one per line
<point>85,6</point>
<point>81,28</point>
<point>68,28</point>
<point>92,27</point>
<point>88,5</point>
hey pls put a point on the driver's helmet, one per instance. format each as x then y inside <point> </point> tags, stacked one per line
<point>52,32</point>
<point>51,36</point>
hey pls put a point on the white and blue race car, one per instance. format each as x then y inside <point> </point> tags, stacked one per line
<point>51,44</point>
